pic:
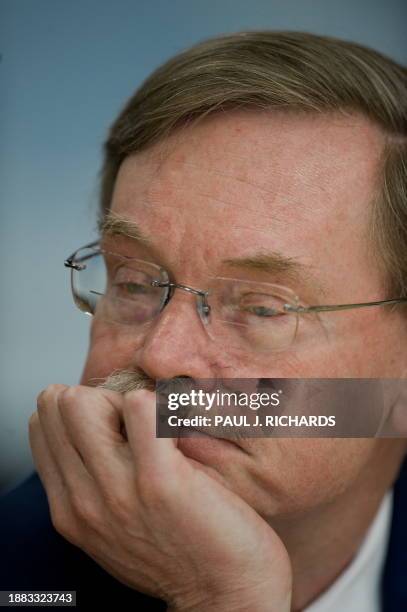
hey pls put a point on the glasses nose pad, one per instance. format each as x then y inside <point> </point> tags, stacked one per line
<point>165,299</point>
<point>204,309</point>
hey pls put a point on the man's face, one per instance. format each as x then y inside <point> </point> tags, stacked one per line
<point>238,184</point>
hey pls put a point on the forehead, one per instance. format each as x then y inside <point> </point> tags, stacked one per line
<point>245,180</point>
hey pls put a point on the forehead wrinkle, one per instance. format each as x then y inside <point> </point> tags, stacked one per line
<point>269,196</point>
<point>231,176</point>
<point>155,198</point>
<point>214,198</point>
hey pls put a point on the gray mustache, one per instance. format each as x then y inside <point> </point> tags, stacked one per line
<point>123,381</point>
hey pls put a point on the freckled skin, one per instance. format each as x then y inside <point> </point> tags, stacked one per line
<point>300,185</point>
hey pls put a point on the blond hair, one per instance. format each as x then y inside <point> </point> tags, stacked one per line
<point>285,70</point>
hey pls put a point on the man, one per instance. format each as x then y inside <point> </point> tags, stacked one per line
<point>274,160</point>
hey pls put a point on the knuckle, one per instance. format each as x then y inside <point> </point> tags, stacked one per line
<point>71,402</point>
<point>42,408</point>
<point>42,399</point>
<point>49,391</point>
<point>108,395</point>
<point>71,395</point>
<point>63,523</point>
<point>33,422</point>
<point>77,395</point>
<point>47,396</point>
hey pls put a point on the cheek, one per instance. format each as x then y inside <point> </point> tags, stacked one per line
<point>293,475</point>
<point>110,348</point>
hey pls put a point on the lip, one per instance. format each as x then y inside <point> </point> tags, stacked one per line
<point>203,446</point>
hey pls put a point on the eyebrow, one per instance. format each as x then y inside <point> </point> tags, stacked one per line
<point>269,262</point>
<point>277,264</point>
<point>115,225</point>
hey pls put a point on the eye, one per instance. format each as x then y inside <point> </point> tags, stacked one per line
<point>262,305</point>
<point>133,288</point>
<point>263,311</point>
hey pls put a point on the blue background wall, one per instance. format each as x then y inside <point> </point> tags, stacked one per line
<point>66,69</point>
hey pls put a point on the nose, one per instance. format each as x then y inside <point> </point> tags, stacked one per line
<point>177,344</point>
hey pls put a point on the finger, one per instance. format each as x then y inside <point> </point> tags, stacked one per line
<point>44,462</point>
<point>148,451</point>
<point>92,418</point>
<point>59,499</point>
<point>64,454</point>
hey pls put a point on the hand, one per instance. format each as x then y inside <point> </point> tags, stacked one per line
<point>158,521</point>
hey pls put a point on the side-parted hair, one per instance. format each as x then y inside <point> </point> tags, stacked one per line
<point>280,70</point>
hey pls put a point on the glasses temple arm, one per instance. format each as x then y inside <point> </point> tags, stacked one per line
<point>328,308</point>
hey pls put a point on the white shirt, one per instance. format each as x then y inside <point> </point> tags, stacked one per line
<point>357,589</point>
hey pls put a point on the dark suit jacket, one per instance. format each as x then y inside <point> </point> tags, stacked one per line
<point>35,557</point>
